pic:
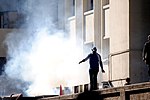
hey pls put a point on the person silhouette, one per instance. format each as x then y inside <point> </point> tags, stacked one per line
<point>127,81</point>
<point>146,54</point>
<point>94,61</point>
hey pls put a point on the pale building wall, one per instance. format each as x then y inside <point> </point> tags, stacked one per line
<point>72,29</point>
<point>119,25</point>
<point>119,39</point>
<point>61,14</point>
<point>126,30</point>
<point>120,68</point>
<point>79,13</point>
<point>129,28</point>
<point>86,26</point>
<point>97,24</point>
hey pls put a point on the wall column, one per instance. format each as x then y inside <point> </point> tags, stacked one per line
<point>79,13</point>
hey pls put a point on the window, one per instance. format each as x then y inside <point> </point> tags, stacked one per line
<point>8,19</point>
<point>106,21</point>
<point>4,20</point>
<point>88,27</point>
<point>72,8</point>
<point>2,63</point>
<point>89,5</point>
<point>105,2</point>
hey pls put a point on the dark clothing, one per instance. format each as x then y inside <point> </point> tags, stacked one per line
<point>93,78</point>
<point>146,54</point>
<point>94,61</point>
<point>127,81</point>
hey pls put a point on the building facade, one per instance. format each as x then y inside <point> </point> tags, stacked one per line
<point>118,28</point>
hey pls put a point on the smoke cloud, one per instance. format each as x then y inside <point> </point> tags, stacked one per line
<point>40,54</point>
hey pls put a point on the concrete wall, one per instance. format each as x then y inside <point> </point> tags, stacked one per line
<point>130,92</point>
<point>139,30</point>
<point>129,28</point>
<point>139,91</point>
<point>119,39</point>
<point>119,25</point>
<point>120,67</point>
<point>72,29</point>
<point>79,12</point>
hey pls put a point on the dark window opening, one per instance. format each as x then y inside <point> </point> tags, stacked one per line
<point>10,19</point>
<point>73,2</point>
<point>92,5</point>
<point>73,7</point>
<point>89,5</point>
<point>2,64</point>
<point>4,20</point>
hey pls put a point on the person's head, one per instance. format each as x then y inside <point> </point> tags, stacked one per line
<point>128,80</point>
<point>148,37</point>
<point>94,50</point>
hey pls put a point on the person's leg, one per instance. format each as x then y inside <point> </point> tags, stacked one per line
<point>95,79</point>
<point>91,79</point>
<point>148,71</point>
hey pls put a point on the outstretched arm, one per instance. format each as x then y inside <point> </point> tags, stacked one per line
<point>84,59</point>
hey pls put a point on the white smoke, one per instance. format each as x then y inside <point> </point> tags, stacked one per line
<point>40,54</point>
<point>45,60</point>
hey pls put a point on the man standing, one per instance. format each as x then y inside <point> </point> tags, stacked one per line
<point>146,53</point>
<point>94,61</point>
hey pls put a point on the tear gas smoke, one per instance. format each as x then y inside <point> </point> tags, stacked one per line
<point>45,60</point>
<point>40,54</point>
